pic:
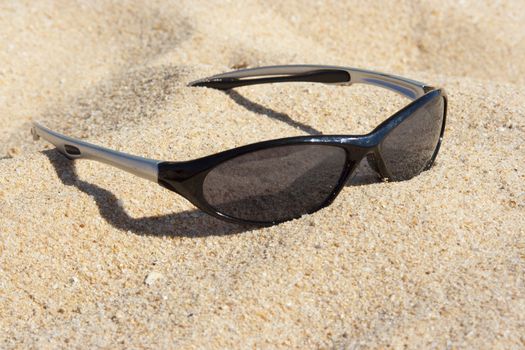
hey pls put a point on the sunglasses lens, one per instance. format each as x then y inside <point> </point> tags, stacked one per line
<point>275,184</point>
<point>408,149</point>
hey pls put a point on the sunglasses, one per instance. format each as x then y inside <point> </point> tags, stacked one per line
<point>269,182</point>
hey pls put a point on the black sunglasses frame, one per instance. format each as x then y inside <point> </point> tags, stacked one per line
<point>187,177</point>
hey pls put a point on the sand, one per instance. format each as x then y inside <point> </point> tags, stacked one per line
<point>93,257</point>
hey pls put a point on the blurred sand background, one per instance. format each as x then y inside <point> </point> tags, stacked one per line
<point>93,257</point>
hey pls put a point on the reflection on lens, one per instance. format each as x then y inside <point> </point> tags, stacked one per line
<point>408,148</point>
<point>276,183</point>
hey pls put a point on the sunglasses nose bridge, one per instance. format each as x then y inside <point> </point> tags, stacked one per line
<point>358,147</point>
<point>365,147</point>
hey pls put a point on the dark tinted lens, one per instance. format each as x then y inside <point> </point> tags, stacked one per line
<point>275,184</point>
<point>408,148</point>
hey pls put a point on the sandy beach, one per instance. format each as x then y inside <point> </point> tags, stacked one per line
<point>92,257</point>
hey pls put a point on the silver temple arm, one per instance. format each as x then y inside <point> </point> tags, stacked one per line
<point>76,149</point>
<point>316,73</point>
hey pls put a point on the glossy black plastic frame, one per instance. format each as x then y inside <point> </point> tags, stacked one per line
<point>187,178</point>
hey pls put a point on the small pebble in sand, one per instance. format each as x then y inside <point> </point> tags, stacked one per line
<point>152,277</point>
<point>13,152</point>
